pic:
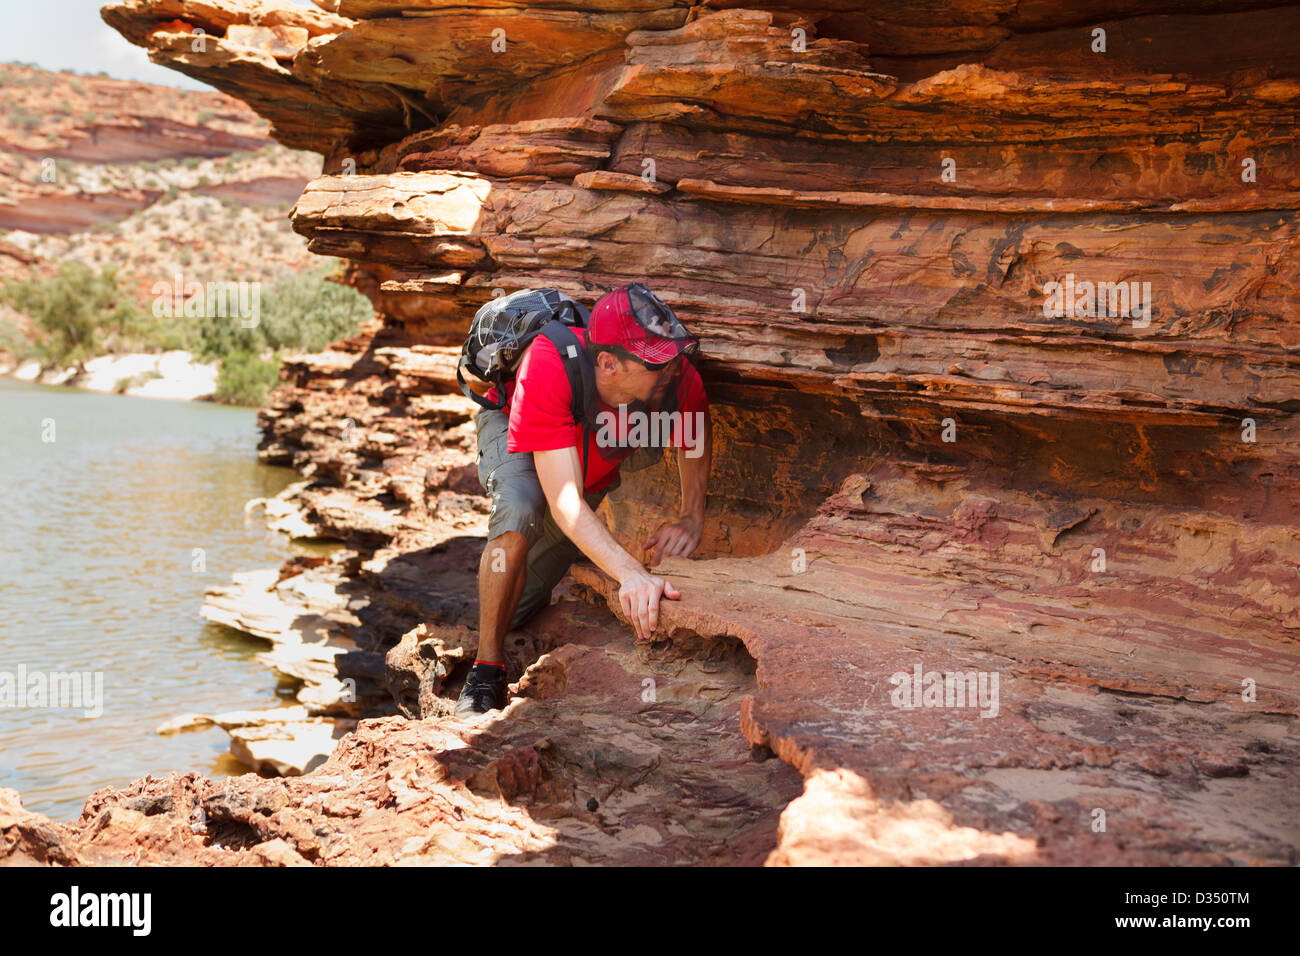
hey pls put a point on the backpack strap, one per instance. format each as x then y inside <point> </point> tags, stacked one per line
<point>499,404</point>
<point>582,382</point>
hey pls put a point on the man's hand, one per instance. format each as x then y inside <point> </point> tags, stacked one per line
<point>639,591</point>
<point>639,595</point>
<point>680,538</point>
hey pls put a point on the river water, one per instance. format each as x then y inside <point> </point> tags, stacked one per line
<point>99,573</point>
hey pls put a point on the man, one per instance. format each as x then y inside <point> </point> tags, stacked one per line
<point>530,463</point>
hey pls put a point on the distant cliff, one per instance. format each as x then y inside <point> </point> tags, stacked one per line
<point>153,179</point>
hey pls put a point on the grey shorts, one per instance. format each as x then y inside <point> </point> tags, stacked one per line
<point>519,504</point>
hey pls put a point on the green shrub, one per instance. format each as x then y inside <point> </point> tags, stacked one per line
<point>178,332</point>
<point>79,313</point>
<point>245,378</point>
<point>17,344</point>
<point>308,311</point>
<point>219,336</point>
<point>302,312</point>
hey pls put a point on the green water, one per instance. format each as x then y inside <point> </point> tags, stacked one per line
<point>98,574</point>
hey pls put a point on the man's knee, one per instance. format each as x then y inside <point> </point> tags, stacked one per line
<point>519,507</point>
<point>504,550</point>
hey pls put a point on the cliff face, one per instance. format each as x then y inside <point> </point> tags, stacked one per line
<point>938,449</point>
<point>151,179</point>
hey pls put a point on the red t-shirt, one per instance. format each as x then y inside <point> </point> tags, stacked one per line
<point>539,397</point>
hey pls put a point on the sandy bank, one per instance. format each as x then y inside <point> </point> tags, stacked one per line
<point>175,375</point>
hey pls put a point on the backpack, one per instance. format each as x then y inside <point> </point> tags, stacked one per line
<point>504,327</point>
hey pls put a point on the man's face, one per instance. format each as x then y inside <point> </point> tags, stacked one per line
<point>665,379</point>
<point>626,381</point>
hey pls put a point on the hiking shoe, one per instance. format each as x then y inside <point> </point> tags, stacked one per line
<point>484,690</point>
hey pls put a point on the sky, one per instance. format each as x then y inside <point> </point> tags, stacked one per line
<point>70,35</point>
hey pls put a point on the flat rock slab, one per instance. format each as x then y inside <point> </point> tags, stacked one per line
<point>923,745</point>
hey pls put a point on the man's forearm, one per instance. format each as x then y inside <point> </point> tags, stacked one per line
<point>588,532</point>
<point>558,473</point>
<point>694,474</point>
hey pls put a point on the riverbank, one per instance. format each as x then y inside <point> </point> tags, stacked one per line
<point>121,512</point>
<point>173,375</point>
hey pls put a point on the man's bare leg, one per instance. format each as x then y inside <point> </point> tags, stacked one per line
<point>501,576</point>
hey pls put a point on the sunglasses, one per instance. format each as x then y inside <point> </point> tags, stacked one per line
<point>692,347</point>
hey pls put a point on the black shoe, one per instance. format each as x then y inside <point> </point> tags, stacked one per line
<point>484,690</point>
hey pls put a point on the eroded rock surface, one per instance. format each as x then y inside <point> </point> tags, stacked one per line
<point>588,764</point>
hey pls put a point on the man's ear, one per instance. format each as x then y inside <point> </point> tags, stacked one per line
<point>608,363</point>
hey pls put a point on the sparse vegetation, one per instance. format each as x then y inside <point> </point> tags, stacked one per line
<point>24,119</point>
<point>246,377</point>
<point>302,312</point>
<point>79,313</point>
<point>16,344</point>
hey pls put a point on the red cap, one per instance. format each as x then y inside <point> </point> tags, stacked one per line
<point>634,317</point>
